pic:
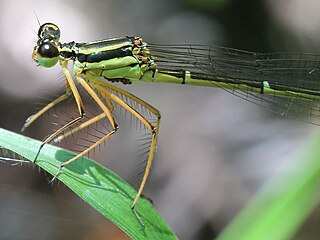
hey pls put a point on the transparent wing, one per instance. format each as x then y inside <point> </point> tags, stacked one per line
<point>293,78</point>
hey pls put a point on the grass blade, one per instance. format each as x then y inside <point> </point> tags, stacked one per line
<point>279,209</point>
<point>98,186</point>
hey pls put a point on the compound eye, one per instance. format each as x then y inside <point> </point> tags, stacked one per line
<point>48,50</point>
<point>47,55</point>
<point>49,31</point>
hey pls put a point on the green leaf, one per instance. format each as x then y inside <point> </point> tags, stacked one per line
<point>279,209</point>
<point>98,186</point>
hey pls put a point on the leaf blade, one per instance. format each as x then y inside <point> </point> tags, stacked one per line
<point>98,186</point>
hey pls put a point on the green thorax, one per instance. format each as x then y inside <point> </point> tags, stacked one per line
<point>120,59</point>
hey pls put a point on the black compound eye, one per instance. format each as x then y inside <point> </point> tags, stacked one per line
<point>49,31</point>
<point>47,55</point>
<point>48,50</point>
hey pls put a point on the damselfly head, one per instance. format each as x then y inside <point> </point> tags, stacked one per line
<point>46,53</point>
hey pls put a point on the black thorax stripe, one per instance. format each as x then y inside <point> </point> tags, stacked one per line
<point>67,50</point>
<point>105,50</point>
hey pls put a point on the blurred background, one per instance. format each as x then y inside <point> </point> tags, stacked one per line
<point>215,150</point>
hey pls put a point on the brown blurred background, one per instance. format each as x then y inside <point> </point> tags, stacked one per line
<point>215,150</point>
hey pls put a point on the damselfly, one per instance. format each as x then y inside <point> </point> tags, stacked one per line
<point>288,83</point>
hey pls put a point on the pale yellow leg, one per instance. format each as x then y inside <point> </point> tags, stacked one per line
<point>32,118</point>
<point>80,127</point>
<point>107,99</point>
<point>106,113</point>
<point>101,86</point>
<point>93,145</point>
<point>153,129</point>
<point>128,95</point>
<point>74,90</point>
